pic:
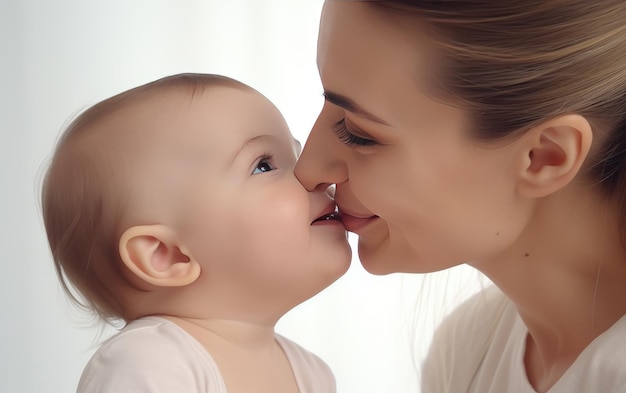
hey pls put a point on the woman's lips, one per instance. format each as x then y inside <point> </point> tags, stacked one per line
<point>353,222</point>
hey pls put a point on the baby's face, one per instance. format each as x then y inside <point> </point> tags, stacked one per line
<point>220,172</point>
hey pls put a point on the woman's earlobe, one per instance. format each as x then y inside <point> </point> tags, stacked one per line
<point>554,154</point>
<point>153,254</point>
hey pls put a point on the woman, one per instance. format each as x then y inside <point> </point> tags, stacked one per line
<point>489,133</point>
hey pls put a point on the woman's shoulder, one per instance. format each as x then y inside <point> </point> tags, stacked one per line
<point>478,315</point>
<point>600,367</point>
<point>464,337</point>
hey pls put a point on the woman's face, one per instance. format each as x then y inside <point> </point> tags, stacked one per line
<point>421,194</point>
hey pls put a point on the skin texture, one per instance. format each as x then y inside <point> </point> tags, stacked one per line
<point>423,141</point>
<point>423,194</point>
<point>234,213</point>
<point>235,204</point>
<point>215,231</point>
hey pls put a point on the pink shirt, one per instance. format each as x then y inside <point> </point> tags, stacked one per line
<point>155,355</point>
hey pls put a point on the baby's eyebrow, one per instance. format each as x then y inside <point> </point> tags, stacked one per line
<point>247,143</point>
<point>253,141</point>
<point>351,106</point>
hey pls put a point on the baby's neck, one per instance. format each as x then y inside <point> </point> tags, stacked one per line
<point>247,354</point>
<point>248,336</point>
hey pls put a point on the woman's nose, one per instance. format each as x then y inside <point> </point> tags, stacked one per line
<point>321,163</point>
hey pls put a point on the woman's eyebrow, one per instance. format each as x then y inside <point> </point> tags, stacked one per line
<point>351,106</point>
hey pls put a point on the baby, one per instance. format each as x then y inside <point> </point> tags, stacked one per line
<point>173,207</point>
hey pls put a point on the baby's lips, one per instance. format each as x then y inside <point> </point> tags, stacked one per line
<point>329,213</point>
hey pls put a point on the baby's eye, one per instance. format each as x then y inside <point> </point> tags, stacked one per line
<point>264,165</point>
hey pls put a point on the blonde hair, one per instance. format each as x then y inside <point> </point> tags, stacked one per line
<point>84,195</point>
<point>513,64</point>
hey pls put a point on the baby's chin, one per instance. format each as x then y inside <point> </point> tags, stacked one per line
<point>325,281</point>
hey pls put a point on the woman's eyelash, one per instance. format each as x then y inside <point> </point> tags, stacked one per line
<point>348,138</point>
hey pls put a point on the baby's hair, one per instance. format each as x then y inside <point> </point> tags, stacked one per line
<point>84,195</point>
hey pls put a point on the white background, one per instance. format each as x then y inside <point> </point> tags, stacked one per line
<point>59,57</point>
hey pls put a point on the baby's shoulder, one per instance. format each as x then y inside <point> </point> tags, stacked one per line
<point>311,372</point>
<point>301,356</point>
<point>145,332</point>
<point>150,351</point>
<point>146,335</point>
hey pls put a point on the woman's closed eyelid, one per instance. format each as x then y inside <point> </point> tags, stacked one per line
<point>352,136</point>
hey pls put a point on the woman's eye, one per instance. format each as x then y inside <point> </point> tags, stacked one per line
<point>348,138</point>
<point>264,165</point>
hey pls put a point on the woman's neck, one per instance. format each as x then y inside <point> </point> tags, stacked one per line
<point>566,275</point>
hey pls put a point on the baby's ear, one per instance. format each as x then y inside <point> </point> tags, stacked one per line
<point>553,153</point>
<point>153,253</point>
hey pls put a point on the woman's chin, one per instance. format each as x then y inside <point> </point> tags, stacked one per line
<point>382,259</point>
<point>376,260</point>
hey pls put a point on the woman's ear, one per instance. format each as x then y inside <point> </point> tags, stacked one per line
<point>153,253</point>
<point>554,152</point>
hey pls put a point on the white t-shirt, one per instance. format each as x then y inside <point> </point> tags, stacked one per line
<point>480,349</point>
<point>155,355</point>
